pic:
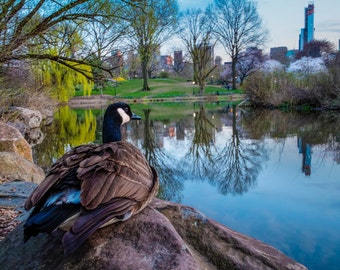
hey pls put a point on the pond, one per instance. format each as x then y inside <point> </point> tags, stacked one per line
<point>271,175</point>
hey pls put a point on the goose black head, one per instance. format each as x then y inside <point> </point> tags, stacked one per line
<point>116,114</point>
<point>121,113</point>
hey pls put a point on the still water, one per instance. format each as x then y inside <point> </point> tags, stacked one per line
<point>272,175</point>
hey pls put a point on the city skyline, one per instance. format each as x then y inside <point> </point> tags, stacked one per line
<point>284,20</point>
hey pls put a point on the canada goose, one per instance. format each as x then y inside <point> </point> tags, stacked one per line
<point>93,186</point>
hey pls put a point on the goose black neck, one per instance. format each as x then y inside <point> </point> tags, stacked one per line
<point>111,130</point>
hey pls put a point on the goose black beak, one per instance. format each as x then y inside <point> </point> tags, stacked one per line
<point>135,117</point>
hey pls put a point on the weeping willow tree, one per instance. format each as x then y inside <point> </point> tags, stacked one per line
<point>63,78</point>
<point>63,81</point>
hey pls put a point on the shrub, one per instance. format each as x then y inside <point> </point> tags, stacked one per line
<point>293,89</point>
<point>28,98</point>
<point>163,75</point>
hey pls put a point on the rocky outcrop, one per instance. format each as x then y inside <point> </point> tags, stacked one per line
<point>15,167</point>
<point>164,236</point>
<point>28,122</point>
<point>30,118</point>
<point>34,136</point>
<point>11,140</point>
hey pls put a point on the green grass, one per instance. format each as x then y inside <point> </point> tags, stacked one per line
<point>160,88</point>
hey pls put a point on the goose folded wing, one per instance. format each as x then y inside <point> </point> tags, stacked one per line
<point>123,173</point>
<point>62,168</point>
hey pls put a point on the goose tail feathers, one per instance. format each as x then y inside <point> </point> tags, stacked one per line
<point>48,219</point>
<point>89,221</point>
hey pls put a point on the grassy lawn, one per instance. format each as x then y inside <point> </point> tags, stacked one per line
<point>160,88</point>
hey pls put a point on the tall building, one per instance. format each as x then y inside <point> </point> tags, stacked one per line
<point>210,54</point>
<point>166,62</point>
<point>218,61</point>
<point>307,33</point>
<point>279,54</point>
<point>116,61</point>
<point>178,58</point>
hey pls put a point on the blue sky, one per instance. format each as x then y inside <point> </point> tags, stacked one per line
<point>285,18</point>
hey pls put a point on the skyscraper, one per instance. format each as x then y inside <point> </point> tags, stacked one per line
<point>307,33</point>
<point>178,58</point>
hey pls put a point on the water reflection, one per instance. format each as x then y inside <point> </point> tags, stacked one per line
<point>306,150</point>
<point>69,129</point>
<point>232,164</point>
<point>222,160</point>
<point>170,176</point>
<point>240,161</point>
<point>199,160</point>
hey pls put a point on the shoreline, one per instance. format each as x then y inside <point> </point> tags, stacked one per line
<point>103,100</point>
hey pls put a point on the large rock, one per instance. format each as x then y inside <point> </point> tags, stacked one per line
<point>34,136</point>
<point>220,246</point>
<point>164,236</point>
<point>15,167</point>
<point>30,118</point>
<point>11,140</point>
<point>47,115</point>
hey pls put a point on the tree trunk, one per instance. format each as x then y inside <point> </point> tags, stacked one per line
<point>145,76</point>
<point>233,72</point>
<point>201,89</point>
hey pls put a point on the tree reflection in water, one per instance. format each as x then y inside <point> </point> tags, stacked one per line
<point>239,162</point>
<point>170,176</point>
<point>200,154</point>
<point>233,168</point>
<point>311,129</point>
<point>69,129</point>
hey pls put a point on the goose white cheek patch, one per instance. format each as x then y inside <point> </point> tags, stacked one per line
<point>124,115</point>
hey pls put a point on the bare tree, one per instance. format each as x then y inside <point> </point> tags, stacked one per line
<point>151,22</point>
<point>316,48</point>
<point>238,26</point>
<point>196,33</point>
<point>168,173</point>
<point>249,61</point>
<point>102,50</point>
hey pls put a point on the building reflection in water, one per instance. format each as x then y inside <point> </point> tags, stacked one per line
<point>306,150</point>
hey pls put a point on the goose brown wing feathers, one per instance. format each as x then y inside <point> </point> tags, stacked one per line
<point>59,170</point>
<point>104,172</point>
<point>89,221</point>
<point>122,171</point>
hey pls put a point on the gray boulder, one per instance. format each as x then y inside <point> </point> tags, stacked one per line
<point>163,236</point>
<point>30,118</point>
<point>47,116</point>
<point>34,136</point>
